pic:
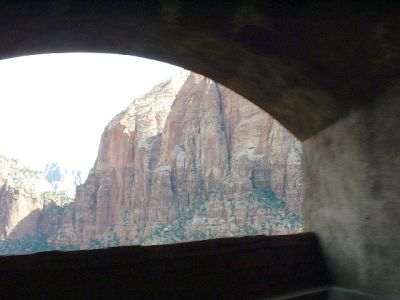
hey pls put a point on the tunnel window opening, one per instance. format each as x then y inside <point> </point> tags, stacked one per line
<point>177,157</point>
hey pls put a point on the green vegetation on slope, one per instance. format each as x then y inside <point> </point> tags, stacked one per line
<point>61,198</point>
<point>274,208</point>
<point>29,243</point>
<point>106,240</point>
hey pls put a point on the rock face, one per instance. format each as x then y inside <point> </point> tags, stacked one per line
<point>16,205</point>
<point>19,198</point>
<point>34,216</point>
<point>190,160</point>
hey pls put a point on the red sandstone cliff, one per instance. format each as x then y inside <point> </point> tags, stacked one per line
<point>191,159</point>
<point>18,200</point>
<point>30,208</point>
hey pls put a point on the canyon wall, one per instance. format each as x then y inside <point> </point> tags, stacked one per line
<point>35,214</point>
<point>190,160</point>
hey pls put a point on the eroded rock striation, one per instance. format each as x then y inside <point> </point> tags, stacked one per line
<point>190,160</point>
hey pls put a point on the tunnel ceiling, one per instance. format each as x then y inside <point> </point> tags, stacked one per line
<point>307,66</point>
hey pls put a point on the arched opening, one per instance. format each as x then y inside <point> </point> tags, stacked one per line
<point>309,66</point>
<point>286,88</point>
<point>184,159</point>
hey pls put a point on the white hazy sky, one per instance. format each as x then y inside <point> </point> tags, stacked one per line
<point>54,107</point>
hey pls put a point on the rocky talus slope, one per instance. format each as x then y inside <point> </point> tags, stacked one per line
<point>190,160</point>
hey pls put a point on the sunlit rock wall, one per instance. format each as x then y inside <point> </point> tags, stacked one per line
<point>190,160</point>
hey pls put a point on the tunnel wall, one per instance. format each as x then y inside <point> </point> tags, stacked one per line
<point>351,197</point>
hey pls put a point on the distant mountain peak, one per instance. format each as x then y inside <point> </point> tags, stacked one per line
<point>55,173</point>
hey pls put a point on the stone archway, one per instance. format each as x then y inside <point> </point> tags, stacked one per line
<point>293,61</point>
<point>309,66</point>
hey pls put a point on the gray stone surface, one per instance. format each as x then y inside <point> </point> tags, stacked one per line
<point>351,197</point>
<point>339,293</point>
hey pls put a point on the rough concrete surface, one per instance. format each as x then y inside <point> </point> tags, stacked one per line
<point>351,199</point>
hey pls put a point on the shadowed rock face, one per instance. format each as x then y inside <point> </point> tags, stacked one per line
<point>16,205</point>
<point>34,215</point>
<point>191,160</point>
